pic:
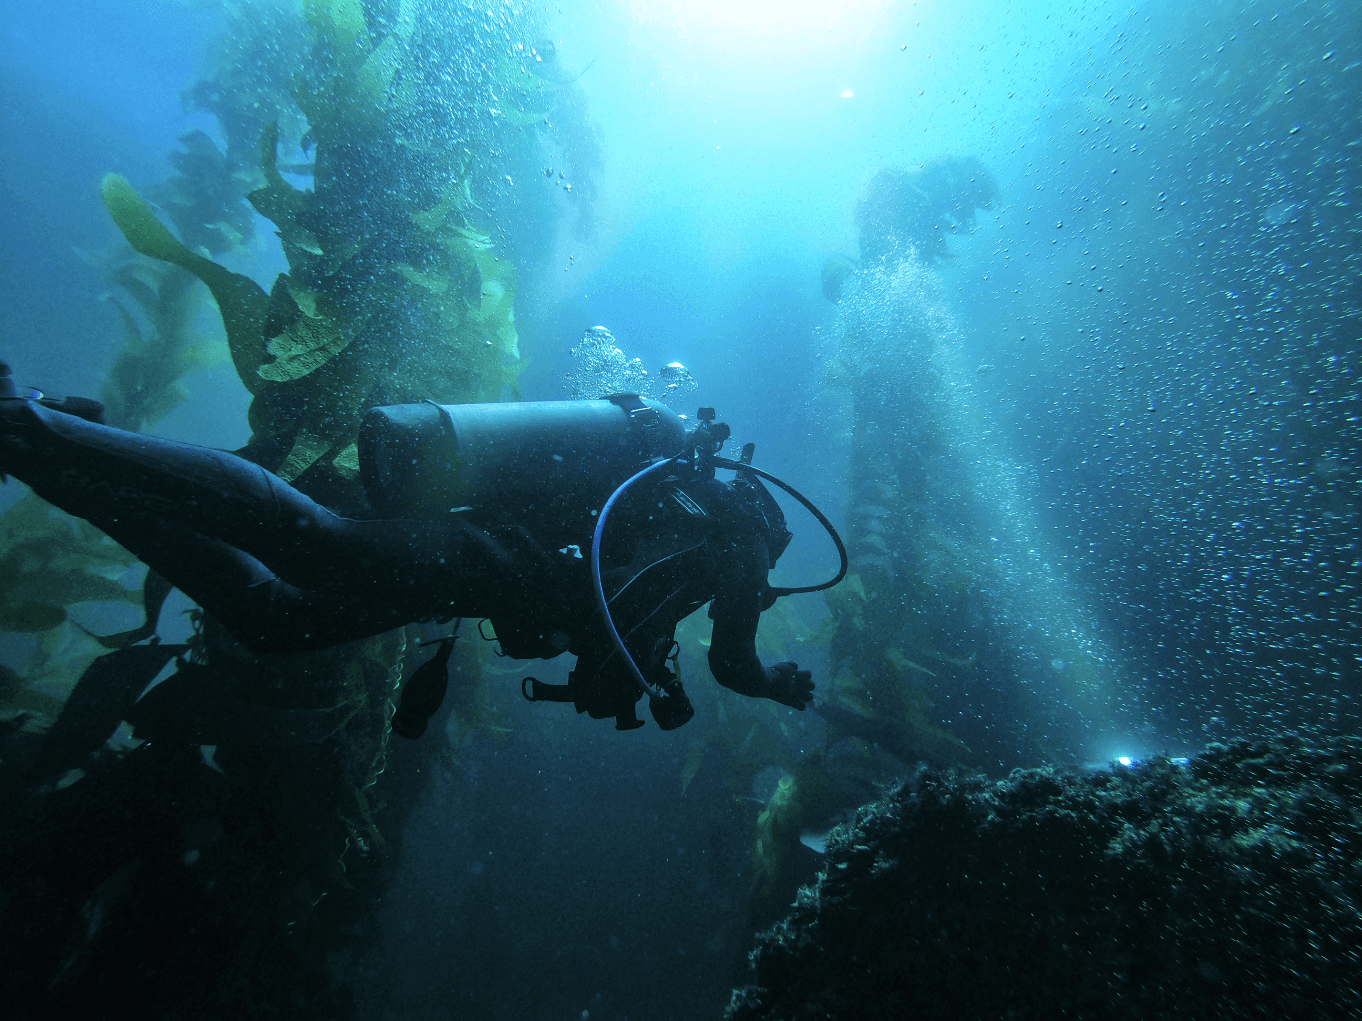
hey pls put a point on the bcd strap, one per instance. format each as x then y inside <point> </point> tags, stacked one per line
<point>646,421</point>
<point>536,690</point>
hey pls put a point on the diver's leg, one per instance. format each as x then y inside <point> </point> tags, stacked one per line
<point>96,472</point>
<point>262,612</point>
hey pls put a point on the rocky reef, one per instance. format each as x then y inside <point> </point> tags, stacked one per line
<point>1222,886</point>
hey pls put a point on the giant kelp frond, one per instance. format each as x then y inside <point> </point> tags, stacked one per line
<point>49,561</point>
<point>204,197</point>
<point>392,294</point>
<point>240,299</point>
<point>158,305</point>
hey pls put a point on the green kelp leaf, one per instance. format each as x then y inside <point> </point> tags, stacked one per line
<point>310,447</point>
<point>146,295</point>
<point>367,98</point>
<point>495,314</point>
<point>846,602</point>
<point>903,666</point>
<point>492,266</point>
<point>495,307</point>
<point>63,654</point>
<point>456,195</point>
<point>139,225</point>
<point>50,564</point>
<point>434,284</point>
<point>131,328</point>
<point>325,244</point>
<point>35,535</point>
<point>510,376</point>
<point>307,302</point>
<point>307,241</point>
<point>340,250</point>
<point>917,717</point>
<point>465,201</point>
<point>63,587</point>
<point>242,302</point>
<point>162,345</point>
<point>303,340</point>
<point>330,416</point>
<point>492,298</point>
<point>229,237</point>
<point>347,462</point>
<point>318,105</point>
<point>404,24</point>
<point>780,633</point>
<point>341,23</point>
<point>303,348</point>
<point>163,403</point>
<point>523,82</point>
<point>278,201</point>
<point>30,516</point>
<point>509,341</point>
<point>475,238</point>
<point>28,618</point>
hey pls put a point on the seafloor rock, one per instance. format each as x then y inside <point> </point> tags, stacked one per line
<point>1226,886</point>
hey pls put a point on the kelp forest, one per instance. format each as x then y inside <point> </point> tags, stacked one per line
<point>381,203</point>
<point>381,142</point>
<point>368,135</point>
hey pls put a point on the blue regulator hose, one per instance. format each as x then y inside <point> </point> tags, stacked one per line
<point>653,691</point>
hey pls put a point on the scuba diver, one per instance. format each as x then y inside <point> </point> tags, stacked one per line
<point>479,511</point>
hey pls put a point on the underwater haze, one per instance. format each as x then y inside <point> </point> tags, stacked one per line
<point>1054,309</point>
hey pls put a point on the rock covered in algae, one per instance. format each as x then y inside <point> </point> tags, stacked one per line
<point>1225,886</point>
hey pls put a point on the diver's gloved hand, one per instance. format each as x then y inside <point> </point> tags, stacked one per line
<point>789,685</point>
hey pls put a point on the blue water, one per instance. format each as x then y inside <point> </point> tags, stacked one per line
<point>1154,388</point>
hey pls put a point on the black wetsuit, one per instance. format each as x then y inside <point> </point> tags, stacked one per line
<point>283,573</point>
<point>669,548</point>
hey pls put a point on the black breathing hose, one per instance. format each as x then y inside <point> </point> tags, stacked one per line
<point>724,462</point>
<point>652,691</point>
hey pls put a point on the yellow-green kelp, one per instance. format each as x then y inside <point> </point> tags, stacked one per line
<point>276,777</point>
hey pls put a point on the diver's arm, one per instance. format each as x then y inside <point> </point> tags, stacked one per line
<point>736,612</point>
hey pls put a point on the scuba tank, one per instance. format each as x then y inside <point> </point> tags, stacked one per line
<point>548,464</point>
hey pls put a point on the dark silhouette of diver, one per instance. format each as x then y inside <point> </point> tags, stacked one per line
<point>284,574</point>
